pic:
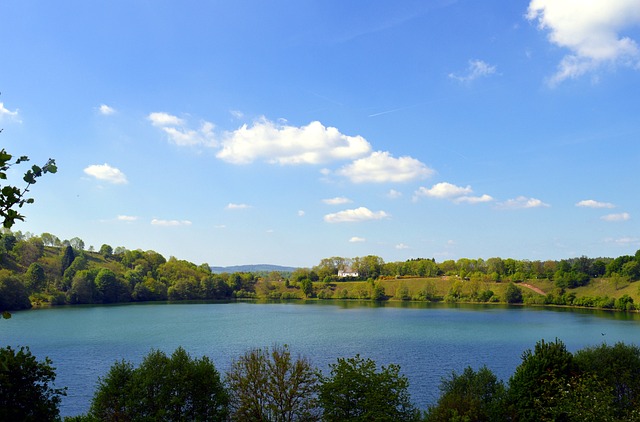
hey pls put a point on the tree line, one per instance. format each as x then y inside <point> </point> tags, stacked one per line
<point>39,270</point>
<point>600,383</point>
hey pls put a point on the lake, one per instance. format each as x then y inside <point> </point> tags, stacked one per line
<point>428,341</point>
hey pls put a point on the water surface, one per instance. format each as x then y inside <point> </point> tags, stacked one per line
<point>428,341</point>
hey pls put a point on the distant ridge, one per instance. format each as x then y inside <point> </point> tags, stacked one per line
<point>252,268</point>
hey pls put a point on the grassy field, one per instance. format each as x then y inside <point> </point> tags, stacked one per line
<point>467,290</point>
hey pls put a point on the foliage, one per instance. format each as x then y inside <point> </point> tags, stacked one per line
<point>268,385</point>
<point>12,197</point>
<point>357,391</point>
<point>513,294</point>
<point>161,388</point>
<point>617,366</point>
<point>13,294</point>
<point>474,396</point>
<point>537,381</point>
<point>26,387</point>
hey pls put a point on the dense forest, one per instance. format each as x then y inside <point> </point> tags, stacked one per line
<point>44,270</point>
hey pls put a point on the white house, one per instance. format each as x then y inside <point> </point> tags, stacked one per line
<point>347,273</point>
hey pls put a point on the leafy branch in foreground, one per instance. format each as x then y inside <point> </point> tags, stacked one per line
<point>12,197</point>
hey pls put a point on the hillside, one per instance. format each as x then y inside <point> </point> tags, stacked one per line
<point>42,271</point>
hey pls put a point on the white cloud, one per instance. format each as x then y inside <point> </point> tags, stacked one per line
<point>355,215</point>
<point>457,194</point>
<point>444,190</point>
<point>475,70</point>
<point>402,246</point>
<point>356,239</point>
<point>339,200</point>
<point>278,143</point>
<point>5,112</point>
<point>590,203</point>
<point>394,194</point>
<point>237,114</point>
<point>106,110</point>
<point>232,206</point>
<point>474,199</point>
<point>170,223</point>
<point>127,218</point>
<point>106,173</point>
<point>164,119</point>
<point>381,167</point>
<point>590,30</point>
<point>301,213</point>
<point>180,135</point>
<point>624,241</point>
<point>624,216</point>
<point>522,202</point>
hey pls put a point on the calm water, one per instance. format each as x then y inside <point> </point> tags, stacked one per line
<point>427,341</point>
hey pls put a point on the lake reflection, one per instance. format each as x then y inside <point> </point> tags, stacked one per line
<point>428,341</point>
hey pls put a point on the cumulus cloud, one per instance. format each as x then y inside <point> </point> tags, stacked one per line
<point>458,194</point>
<point>232,206</point>
<point>5,112</point>
<point>127,218</point>
<point>106,110</point>
<point>475,70</point>
<point>161,119</point>
<point>590,203</point>
<point>402,246</point>
<point>282,144</point>
<point>356,239</point>
<point>180,134</point>
<point>301,213</point>
<point>106,173</point>
<point>522,202</point>
<point>444,190</point>
<point>355,215</point>
<point>338,200</point>
<point>624,216</point>
<point>381,167</point>
<point>474,199</point>
<point>590,30</point>
<point>170,223</point>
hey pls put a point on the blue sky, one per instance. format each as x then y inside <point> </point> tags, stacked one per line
<point>284,132</point>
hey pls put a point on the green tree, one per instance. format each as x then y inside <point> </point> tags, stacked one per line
<point>357,391</point>
<point>27,391</point>
<point>67,259</point>
<point>13,294</point>
<point>269,385</point>
<point>83,288</point>
<point>513,294</point>
<point>106,250</point>
<point>109,288</point>
<point>306,285</point>
<point>174,388</point>
<point>35,278</point>
<point>618,366</point>
<point>474,396</point>
<point>534,388</point>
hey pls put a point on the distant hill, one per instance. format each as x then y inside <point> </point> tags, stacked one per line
<point>252,268</point>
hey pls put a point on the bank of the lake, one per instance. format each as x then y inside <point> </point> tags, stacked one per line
<point>427,340</point>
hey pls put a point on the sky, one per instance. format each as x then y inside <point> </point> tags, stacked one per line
<point>285,132</point>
